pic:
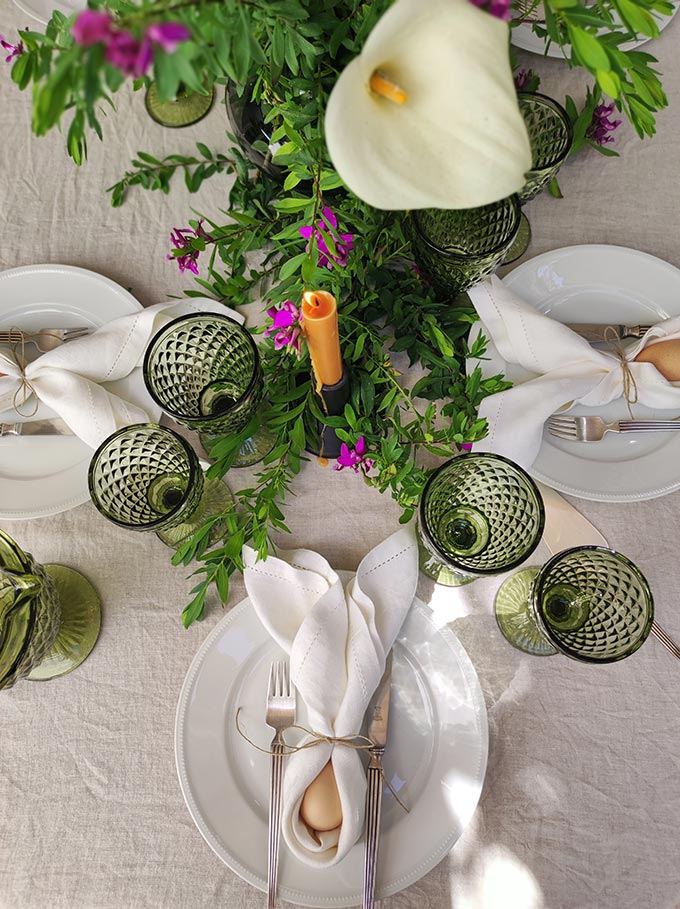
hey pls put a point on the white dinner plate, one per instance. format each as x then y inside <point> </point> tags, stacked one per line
<point>604,284</point>
<point>41,10</point>
<point>435,758</point>
<point>524,37</point>
<point>44,475</point>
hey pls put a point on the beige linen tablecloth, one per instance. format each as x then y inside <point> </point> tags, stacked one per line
<point>581,800</point>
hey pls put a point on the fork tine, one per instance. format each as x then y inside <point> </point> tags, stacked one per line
<point>562,421</point>
<point>270,687</point>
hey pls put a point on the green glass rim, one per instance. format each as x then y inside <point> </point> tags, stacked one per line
<point>564,117</point>
<point>201,419</point>
<point>194,470</point>
<point>457,257</point>
<point>536,592</point>
<point>465,567</point>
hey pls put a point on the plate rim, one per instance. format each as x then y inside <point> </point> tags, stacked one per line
<point>596,248</point>
<point>427,864</point>
<point>64,271</point>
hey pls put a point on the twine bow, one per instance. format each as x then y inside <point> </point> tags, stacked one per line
<point>630,389</point>
<point>356,741</point>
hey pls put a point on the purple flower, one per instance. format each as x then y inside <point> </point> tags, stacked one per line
<point>498,8</point>
<point>601,125</point>
<point>286,327</point>
<point>168,35</point>
<point>327,225</point>
<point>354,458</point>
<point>181,239</point>
<point>129,55</point>
<point>15,50</point>
<point>91,27</point>
<point>526,80</point>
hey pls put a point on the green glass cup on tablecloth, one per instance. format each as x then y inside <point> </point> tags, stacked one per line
<point>204,371</point>
<point>50,617</point>
<point>480,514</point>
<point>551,136</point>
<point>147,477</point>
<point>589,603</point>
<point>455,249</point>
<point>187,108</point>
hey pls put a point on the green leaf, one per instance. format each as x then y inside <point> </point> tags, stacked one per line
<point>588,49</point>
<point>609,82</point>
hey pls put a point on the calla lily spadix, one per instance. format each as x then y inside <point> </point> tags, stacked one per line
<point>427,115</point>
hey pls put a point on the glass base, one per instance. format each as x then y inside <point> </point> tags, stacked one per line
<point>188,108</point>
<point>521,241</point>
<point>439,572</point>
<point>513,616</point>
<point>216,499</point>
<point>252,450</point>
<point>81,619</point>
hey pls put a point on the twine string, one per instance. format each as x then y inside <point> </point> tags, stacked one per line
<point>630,389</point>
<point>25,384</point>
<point>355,741</point>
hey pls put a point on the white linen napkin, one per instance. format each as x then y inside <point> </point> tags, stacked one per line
<point>337,641</point>
<point>552,368</point>
<point>70,379</point>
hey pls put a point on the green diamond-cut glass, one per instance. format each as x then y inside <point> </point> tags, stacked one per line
<point>186,109</point>
<point>480,514</point>
<point>455,249</point>
<point>589,603</point>
<point>204,371</point>
<point>550,135</point>
<point>147,477</point>
<point>45,630</point>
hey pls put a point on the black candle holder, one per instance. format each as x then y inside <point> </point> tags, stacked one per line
<point>334,398</point>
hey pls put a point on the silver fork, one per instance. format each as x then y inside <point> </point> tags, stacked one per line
<point>280,715</point>
<point>592,429</point>
<point>45,339</point>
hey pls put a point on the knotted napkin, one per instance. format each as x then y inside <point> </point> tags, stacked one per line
<point>337,640</point>
<point>70,379</point>
<point>552,368</point>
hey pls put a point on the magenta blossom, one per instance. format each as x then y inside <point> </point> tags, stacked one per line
<point>498,8</point>
<point>601,125</point>
<point>15,50</point>
<point>354,457</point>
<point>286,327</point>
<point>343,242</point>
<point>181,239</point>
<point>123,50</point>
<point>168,35</point>
<point>92,27</point>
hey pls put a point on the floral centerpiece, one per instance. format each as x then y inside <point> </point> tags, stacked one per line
<point>325,218</point>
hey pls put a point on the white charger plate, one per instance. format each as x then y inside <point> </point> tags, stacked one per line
<point>41,10</point>
<point>435,758</point>
<point>44,475</point>
<point>525,38</point>
<point>603,284</point>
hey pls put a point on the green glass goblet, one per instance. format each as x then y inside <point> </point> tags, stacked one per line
<point>50,617</point>
<point>455,249</point>
<point>480,514</point>
<point>589,603</point>
<point>204,371</point>
<point>147,477</point>
<point>551,136</point>
<point>187,108</point>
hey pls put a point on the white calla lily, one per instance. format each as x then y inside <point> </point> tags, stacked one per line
<point>427,115</point>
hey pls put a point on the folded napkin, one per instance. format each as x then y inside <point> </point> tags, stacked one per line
<point>70,379</point>
<point>553,368</point>
<point>338,641</point>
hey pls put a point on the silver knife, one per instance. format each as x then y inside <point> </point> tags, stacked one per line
<point>36,428</point>
<point>595,331</point>
<point>377,732</point>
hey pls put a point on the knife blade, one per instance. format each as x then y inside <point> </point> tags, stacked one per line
<point>595,331</point>
<point>378,717</point>
<point>36,428</point>
<point>564,525</point>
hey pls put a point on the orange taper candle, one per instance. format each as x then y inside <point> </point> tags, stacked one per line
<point>320,327</point>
